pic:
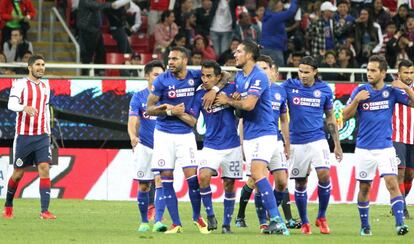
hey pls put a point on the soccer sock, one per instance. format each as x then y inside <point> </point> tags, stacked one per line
<point>195,198</point>
<point>245,194</point>
<point>229,200</point>
<point>44,189</point>
<point>402,188</point>
<point>324,193</point>
<point>171,199</point>
<point>397,204</point>
<point>143,200</point>
<point>407,186</point>
<point>11,190</point>
<point>363,208</point>
<point>206,198</point>
<point>159,202</point>
<point>269,201</point>
<point>278,196</point>
<point>151,193</point>
<point>260,210</point>
<point>301,198</point>
<point>286,205</point>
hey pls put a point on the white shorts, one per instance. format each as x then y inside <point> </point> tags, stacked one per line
<point>142,163</point>
<point>367,162</point>
<point>278,161</point>
<point>266,149</point>
<point>230,161</point>
<point>171,150</point>
<point>302,156</point>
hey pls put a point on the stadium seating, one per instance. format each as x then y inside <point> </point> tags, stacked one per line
<point>114,58</point>
<point>140,43</point>
<point>144,24</point>
<point>109,43</point>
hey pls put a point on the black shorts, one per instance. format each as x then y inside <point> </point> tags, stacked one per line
<point>31,150</point>
<point>405,153</point>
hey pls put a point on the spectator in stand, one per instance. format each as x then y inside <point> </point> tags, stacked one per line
<point>293,24</point>
<point>245,30</point>
<point>133,18</point>
<point>157,7</point>
<point>398,48</point>
<point>190,27</point>
<point>259,17</point>
<point>230,61</point>
<point>134,60</point>
<point>223,23</point>
<point>368,36</point>
<point>343,22</point>
<point>409,28</point>
<point>182,8</point>
<point>196,58</point>
<point>380,14</point>
<point>390,31</point>
<point>5,71</point>
<point>329,61</point>
<point>117,22</point>
<point>401,17</point>
<point>165,31</point>
<point>204,17</point>
<point>202,44</point>
<point>274,37</point>
<point>229,53</point>
<point>294,61</point>
<point>25,58</point>
<point>180,40</point>
<point>17,15</point>
<point>345,61</point>
<point>16,47</point>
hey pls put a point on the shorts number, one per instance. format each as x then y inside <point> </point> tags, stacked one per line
<point>235,167</point>
<point>192,155</point>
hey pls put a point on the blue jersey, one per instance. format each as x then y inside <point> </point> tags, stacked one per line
<point>279,106</point>
<point>258,122</point>
<point>220,121</point>
<point>138,107</point>
<point>172,91</point>
<point>306,109</point>
<point>375,116</point>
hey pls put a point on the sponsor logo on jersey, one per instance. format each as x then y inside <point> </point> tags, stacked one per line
<point>184,92</point>
<point>215,108</point>
<point>372,106</point>
<point>363,174</point>
<point>146,116</point>
<point>295,172</point>
<point>309,102</point>
<point>172,94</point>
<point>276,105</point>
<point>140,174</point>
<point>295,91</point>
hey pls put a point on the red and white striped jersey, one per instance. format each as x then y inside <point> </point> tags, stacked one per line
<point>403,124</point>
<point>35,95</point>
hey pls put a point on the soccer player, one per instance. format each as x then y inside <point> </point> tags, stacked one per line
<point>142,144</point>
<point>308,100</point>
<point>402,134</point>
<point>174,141</point>
<point>259,127</point>
<point>29,98</point>
<point>221,147</point>
<point>374,104</point>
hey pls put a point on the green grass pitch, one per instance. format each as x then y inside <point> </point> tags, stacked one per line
<point>116,222</point>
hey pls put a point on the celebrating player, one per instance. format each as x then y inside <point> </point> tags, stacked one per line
<point>29,98</point>
<point>308,100</point>
<point>374,104</point>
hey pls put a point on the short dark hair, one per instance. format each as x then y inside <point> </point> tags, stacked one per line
<point>251,47</point>
<point>151,65</point>
<point>309,60</point>
<point>182,50</point>
<point>265,58</point>
<point>212,64</point>
<point>383,65</point>
<point>165,15</point>
<point>33,59</point>
<point>405,63</point>
<point>196,52</point>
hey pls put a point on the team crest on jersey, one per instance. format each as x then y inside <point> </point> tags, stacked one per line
<point>161,162</point>
<point>385,94</point>
<point>317,93</point>
<point>296,100</point>
<point>172,94</point>
<point>191,82</point>
<point>19,162</point>
<point>363,174</point>
<point>365,106</point>
<point>278,96</point>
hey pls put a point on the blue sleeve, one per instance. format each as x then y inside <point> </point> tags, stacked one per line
<point>134,105</point>
<point>401,96</point>
<point>258,84</point>
<point>329,99</point>
<point>230,88</point>
<point>353,94</point>
<point>158,87</point>
<point>197,105</point>
<point>197,77</point>
<point>286,14</point>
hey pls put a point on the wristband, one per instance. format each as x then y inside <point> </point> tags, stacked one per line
<point>169,112</point>
<point>215,88</point>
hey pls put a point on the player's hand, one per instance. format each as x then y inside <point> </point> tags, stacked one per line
<point>222,99</point>
<point>399,84</point>
<point>178,110</point>
<point>338,153</point>
<point>31,111</point>
<point>362,95</point>
<point>208,99</point>
<point>236,96</point>
<point>164,107</point>
<point>134,142</point>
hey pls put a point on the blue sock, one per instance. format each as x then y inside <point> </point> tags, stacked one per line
<point>260,210</point>
<point>229,200</point>
<point>171,199</point>
<point>44,190</point>
<point>397,204</point>
<point>324,193</point>
<point>206,194</point>
<point>269,201</point>
<point>143,200</point>
<point>195,198</point>
<point>301,198</point>
<point>278,196</point>
<point>363,208</point>
<point>159,202</point>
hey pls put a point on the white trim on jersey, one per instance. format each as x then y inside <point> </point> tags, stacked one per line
<point>403,124</point>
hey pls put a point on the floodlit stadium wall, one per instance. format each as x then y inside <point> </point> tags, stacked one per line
<point>106,174</point>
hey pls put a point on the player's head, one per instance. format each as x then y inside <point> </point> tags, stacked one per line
<point>247,51</point>
<point>210,74</point>
<point>308,70</point>
<point>376,69</point>
<point>266,63</point>
<point>406,71</point>
<point>36,66</point>
<point>152,70</point>
<point>177,59</point>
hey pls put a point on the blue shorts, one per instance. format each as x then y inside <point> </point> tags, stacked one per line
<point>405,153</point>
<point>31,150</point>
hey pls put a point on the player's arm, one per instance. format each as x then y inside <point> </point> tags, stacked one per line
<point>399,84</point>
<point>210,96</point>
<point>154,110</point>
<point>14,103</point>
<point>350,110</point>
<point>134,123</point>
<point>333,130</point>
<point>284,126</point>
<point>179,111</point>
<point>247,104</point>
